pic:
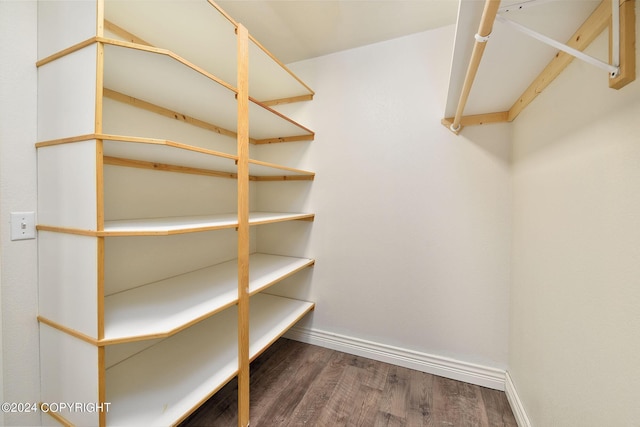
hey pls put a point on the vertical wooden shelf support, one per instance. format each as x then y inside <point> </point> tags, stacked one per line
<point>243,225</point>
<point>102,388</point>
<point>627,45</point>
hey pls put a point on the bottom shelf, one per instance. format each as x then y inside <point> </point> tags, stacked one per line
<point>164,383</point>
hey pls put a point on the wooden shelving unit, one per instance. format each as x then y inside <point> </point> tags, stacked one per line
<point>151,289</point>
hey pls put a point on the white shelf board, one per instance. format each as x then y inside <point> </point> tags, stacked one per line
<point>187,224</point>
<point>270,80</point>
<point>169,152</point>
<point>257,218</point>
<point>267,269</point>
<point>183,224</point>
<point>180,154</point>
<point>259,168</point>
<point>201,34</point>
<point>160,79</point>
<point>159,386</point>
<point>167,306</point>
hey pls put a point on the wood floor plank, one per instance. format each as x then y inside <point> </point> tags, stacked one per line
<point>345,397</point>
<point>295,384</point>
<point>458,403</point>
<point>366,408</point>
<point>499,412</point>
<point>277,406</point>
<point>396,394</point>
<point>420,403</point>
<point>385,419</point>
<point>319,392</point>
<point>277,374</point>
<point>373,373</point>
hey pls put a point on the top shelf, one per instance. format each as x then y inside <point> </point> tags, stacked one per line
<point>203,34</point>
<point>160,78</point>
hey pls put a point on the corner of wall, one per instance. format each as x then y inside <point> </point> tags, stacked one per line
<point>515,402</point>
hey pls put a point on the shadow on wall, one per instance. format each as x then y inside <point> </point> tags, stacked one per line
<point>484,137</point>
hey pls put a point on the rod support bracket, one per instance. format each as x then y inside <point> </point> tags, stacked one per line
<point>482,39</point>
<point>615,73</point>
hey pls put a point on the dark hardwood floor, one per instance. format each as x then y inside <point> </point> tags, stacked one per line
<point>297,384</point>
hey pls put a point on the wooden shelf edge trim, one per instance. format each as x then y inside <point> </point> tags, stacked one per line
<point>163,167</point>
<point>311,307</point>
<point>66,330</point>
<point>67,51</point>
<point>134,139</point>
<point>284,67</point>
<point>164,232</point>
<point>281,178</point>
<point>288,100</point>
<point>223,13</point>
<point>301,217</point>
<point>283,117</point>
<point>186,230</point>
<point>69,140</point>
<point>478,119</point>
<point>56,416</point>
<point>168,143</point>
<point>296,138</point>
<point>167,333</point>
<point>68,230</point>
<point>137,46</point>
<point>235,23</point>
<point>311,263</point>
<point>284,168</point>
<point>130,37</point>
<point>166,52</point>
<point>107,233</point>
<point>157,109</point>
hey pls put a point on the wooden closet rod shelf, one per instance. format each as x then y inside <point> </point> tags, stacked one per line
<point>588,31</point>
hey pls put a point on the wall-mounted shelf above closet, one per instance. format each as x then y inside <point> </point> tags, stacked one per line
<point>510,68</point>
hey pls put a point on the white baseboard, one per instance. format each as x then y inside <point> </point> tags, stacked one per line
<point>515,402</point>
<point>436,365</point>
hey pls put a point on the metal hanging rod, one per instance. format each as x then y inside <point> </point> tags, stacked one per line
<point>613,70</point>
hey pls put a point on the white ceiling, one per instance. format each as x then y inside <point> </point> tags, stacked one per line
<point>294,30</point>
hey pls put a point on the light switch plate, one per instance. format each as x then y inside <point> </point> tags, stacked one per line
<point>23,225</point>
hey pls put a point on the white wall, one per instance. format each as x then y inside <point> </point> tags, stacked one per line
<point>575,302</point>
<point>18,124</point>
<point>412,231</point>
